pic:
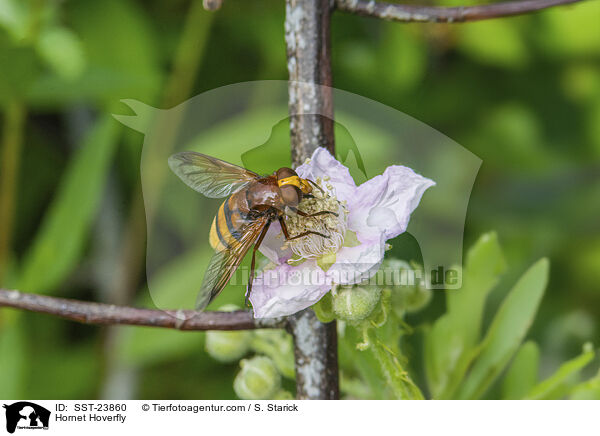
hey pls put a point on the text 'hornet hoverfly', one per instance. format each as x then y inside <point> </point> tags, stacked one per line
<point>253,203</point>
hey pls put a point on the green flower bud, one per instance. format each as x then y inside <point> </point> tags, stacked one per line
<point>407,292</point>
<point>228,346</point>
<point>410,298</point>
<point>279,346</point>
<point>257,380</point>
<point>355,303</point>
<point>283,395</point>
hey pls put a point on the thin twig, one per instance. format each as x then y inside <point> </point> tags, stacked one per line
<point>108,314</point>
<point>415,13</point>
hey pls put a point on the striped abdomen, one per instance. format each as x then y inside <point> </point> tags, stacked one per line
<point>227,225</point>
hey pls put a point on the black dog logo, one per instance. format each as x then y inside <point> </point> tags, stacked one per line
<point>26,415</point>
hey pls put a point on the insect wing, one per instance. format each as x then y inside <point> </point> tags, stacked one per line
<point>224,263</point>
<point>208,175</point>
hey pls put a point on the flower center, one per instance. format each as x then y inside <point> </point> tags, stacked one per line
<point>334,227</point>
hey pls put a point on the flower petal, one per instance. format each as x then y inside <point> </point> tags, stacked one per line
<point>272,245</point>
<point>356,264</point>
<point>285,290</point>
<point>381,207</point>
<point>323,164</point>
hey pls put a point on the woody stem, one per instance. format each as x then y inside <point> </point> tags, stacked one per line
<point>311,124</point>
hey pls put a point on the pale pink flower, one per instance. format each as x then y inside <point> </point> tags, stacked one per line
<point>369,215</point>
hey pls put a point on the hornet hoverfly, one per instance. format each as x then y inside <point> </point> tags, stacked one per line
<point>253,202</point>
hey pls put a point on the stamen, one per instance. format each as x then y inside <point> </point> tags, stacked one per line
<point>315,246</point>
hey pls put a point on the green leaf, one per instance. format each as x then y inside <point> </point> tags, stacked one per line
<point>452,339</point>
<point>587,390</point>
<point>62,236</point>
<point>62,50</point>
<point>438,356</point>
<point>360,364</point>
<point>485,263</point>
<point>567,370</point>
<point>396,376</point>
<point>523,372</point>
<point>509,327</point>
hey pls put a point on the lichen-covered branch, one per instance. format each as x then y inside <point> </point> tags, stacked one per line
<point>416,13</point>
<point>307,36</point>
<point>315,353</point>
<point>307,40</point>
<point>108,314</point>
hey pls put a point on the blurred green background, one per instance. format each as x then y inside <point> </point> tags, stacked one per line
<point>521,93</point>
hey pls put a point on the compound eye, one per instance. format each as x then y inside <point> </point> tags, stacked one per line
<point>290,195</point>
<point>283,173</point>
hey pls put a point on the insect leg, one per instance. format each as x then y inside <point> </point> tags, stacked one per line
<point>284,228</point>
<point>289,238</point>
<point>308,215</point>
<point>317,186</point>
<point>252,264</point>
<point>308,232</point>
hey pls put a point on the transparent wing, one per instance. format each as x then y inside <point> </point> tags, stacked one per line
<point>208,175</point>
<point>224,263</point>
